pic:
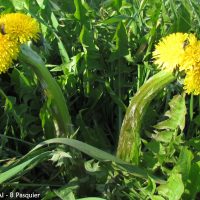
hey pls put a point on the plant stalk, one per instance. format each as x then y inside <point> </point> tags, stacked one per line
<point>129,140</point>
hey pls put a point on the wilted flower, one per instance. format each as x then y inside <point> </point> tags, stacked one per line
<point>20,27</point>
<point>9,51</point>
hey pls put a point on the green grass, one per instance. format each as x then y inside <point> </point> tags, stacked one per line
<point>99,53</point>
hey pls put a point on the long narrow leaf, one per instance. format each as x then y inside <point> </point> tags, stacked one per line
<point>98,154</point>
<point>21,167</point>
<point>51,89</point>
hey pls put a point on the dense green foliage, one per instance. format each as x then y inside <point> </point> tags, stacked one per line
<point>99,52</point>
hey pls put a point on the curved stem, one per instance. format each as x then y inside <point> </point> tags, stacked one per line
<point>51,88</point>
<point>129,139</point>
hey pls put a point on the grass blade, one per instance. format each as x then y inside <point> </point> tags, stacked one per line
<point>98,154</point>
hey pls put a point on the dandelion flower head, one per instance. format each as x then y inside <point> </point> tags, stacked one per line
<point>9,51</point>
<point>192,81</point>
<point>192,53</point>
<point>20,27</point>
<point>169,51</point>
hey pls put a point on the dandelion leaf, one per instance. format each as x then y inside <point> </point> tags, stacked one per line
<point>176,115</point>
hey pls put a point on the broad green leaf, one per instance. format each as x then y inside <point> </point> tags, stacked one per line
<point>183,164</point>
<point>173,189</point>
<point>176,114</point>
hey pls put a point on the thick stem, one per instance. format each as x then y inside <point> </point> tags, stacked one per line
<point>51,88</point>
<point>129,139</point>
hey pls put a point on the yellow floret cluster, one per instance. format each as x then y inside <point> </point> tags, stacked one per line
<point>180,51</point>
<point>15,29</point>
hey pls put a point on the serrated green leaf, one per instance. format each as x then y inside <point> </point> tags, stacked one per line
<point>59,157</point>
<point>176,114</point>
<point>92,166</point>
<point>173,189</point>
<point>163,136</point>
<point>183,164</point>
<point>121,39</point>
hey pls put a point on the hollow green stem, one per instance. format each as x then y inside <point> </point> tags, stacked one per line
<point>52,90</point>
<point>129,139</point>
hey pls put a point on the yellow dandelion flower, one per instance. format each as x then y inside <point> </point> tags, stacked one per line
<point>9,51</point>
<point>169,51</point>
<point>192,53</point>
<point>192,81</point>
<point>20,27</point>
